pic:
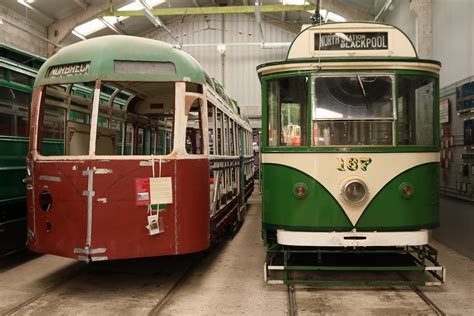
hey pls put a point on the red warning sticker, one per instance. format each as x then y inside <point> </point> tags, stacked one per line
<point>142,191</point>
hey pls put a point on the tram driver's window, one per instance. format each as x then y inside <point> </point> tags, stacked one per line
<point>415,112</point>
<point>63,134</point>
<point>286,102</point>
<point>194,144</point>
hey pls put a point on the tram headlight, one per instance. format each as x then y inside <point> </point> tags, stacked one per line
<point>406,190</point>
<point>300,190</point>
<point>354,191</point>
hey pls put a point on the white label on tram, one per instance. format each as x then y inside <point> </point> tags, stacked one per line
<point>161,191</point>
<point>69,70</point>
<point>351,41</point>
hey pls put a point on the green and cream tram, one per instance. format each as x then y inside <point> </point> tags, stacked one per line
<point>350,148</point>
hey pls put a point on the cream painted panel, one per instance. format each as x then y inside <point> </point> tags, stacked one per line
<point>350,66</point>
<point>398,43</point>
<point>323,168</point>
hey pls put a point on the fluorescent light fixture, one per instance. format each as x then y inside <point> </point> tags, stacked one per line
<point>25,2</point>
<point>275,45</point>
<point>148,10</point>
<point>89,27</point>
<point>97,25</point>
<point>82,37</point>
<point>137,6</point>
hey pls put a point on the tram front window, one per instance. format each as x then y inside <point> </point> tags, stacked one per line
<point>130,113</point>
<point>286,101</point>
<point>353,110</point>
<point>415,114</point>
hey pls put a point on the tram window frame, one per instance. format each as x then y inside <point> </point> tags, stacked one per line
<point>226,135</point>
<point>355,124</point>
<point>219,131</point>
<point>407,112</point>
<point>274,100</point>
<point>211,115</point>
<point>15,110</point>
<point>195,135</point>
<point>77,101</point>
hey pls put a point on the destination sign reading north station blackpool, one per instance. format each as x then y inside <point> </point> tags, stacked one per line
<point>69,70</point>
<point>351,41</point>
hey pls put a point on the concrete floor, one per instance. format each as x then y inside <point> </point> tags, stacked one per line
<point>227,280</point>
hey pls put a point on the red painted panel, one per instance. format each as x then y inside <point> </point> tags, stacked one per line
<point>118,222</point>
<point>67,215</point>
<point>193,204</point>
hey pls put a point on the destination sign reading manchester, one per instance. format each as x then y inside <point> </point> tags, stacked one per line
<point>351,41</point>
<point>69,70</point>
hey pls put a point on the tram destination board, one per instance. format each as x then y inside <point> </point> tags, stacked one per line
<point>351,41</point>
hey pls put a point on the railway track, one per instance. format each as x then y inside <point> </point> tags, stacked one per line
<point>293,307</point>
<point>74,273</point>
<point>81,269</point>
<point>162,303</point>
<point>428,301</point>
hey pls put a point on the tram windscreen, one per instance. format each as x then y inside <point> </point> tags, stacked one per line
<point>133,119</point>
<point>353,110</point>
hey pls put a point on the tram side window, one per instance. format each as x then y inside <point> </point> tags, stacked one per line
<point>219,149</point>
<point>13,112</point>
<point>19,78</point>
<point>129,139</point>
<point>194,129</point>
<point>416,96</point>
<point>286,102</point>
<point>211,110</point>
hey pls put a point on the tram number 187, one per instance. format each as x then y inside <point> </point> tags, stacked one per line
<point>353,164</point>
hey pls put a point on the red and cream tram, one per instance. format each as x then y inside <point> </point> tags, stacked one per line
<point>134,152</point>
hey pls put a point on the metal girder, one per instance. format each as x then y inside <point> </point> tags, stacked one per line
<point>213,10</point>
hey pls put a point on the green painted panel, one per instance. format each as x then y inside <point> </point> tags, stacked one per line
<point>317,211</point>
<point>12,185</point>
<point>389,211</point>
<point>13,147</point>
<point>52,147</point>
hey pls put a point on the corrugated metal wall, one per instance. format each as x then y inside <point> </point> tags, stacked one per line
<point>235,69</point>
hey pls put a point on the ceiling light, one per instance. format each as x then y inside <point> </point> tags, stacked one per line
<point>25,2</point>
<point>82,37</point>
<point>89,27</point>
<point>137,6</point>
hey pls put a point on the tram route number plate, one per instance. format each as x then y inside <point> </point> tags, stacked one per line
<point>351,41</point>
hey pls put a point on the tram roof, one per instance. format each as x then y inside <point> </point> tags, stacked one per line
<point>120,58</point>
<point>350,42</point>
